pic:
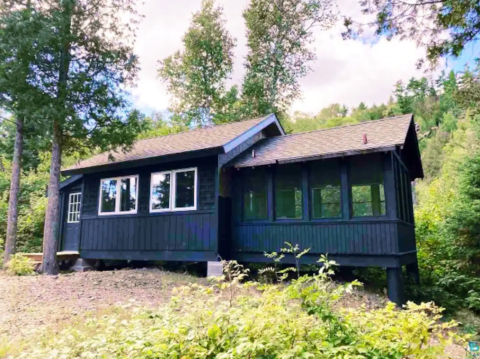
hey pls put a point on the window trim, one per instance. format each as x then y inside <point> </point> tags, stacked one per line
<point>173,191</point>
<point>79,206</point>
<point>117,199</point>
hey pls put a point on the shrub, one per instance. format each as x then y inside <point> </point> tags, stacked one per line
<point>20,265</point>
<point>280,321</point>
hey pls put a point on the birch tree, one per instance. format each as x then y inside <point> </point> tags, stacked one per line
<point>279,38</point>
<point>196,75</point>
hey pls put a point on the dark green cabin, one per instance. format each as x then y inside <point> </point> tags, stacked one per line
<point>238,190</point>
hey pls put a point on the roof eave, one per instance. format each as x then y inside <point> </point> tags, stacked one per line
<point>145,161</point>
<point>319,157</point>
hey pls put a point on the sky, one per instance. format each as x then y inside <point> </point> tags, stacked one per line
<point>345,71</point>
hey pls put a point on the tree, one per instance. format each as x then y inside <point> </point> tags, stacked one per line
<point>425,22</point>
<point>196,76</point>
<point>21,35</point>
<point>89,64</point>
<point>279,33</point>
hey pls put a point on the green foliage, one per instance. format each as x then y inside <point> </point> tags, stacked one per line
<point>278,37</point>
<point>19,265</point>
<point>31,206</point>
<point>196,76</point>
<point>424,22</point>
<point>294,321</point>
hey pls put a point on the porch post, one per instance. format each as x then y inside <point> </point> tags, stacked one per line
<point>413,272</point>
<point>396,290</point>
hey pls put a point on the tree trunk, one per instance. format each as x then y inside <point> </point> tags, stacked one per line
<point>52,218</point>
<point>11,240</point>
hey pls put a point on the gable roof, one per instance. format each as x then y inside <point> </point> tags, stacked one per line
<point>221,138</point>
<point>382,135</point>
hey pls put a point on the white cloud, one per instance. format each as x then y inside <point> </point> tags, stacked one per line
<point>346,72</point>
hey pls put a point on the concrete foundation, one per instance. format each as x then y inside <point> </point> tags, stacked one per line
<point>214,269</point>
<point>83,265</point>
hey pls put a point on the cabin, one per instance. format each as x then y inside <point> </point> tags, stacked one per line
<point>238,190</point>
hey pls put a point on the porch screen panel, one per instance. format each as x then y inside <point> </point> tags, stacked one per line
<point>368,193</point>
<point>254,194</point>
<point>288,192</point>
<point>325,189</point>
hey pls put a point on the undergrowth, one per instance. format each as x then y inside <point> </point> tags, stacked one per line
<point>234,318</point>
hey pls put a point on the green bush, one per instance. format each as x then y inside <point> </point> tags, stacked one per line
<point>255,321</point>
<point>19,265</point>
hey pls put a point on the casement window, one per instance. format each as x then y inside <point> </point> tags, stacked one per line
<point>254,194</point>
<point>368,193</point>
<point>118,195</point>
<point>288,192</point>
<point>325,189</point>
<point>74,201</point>
<point>173,190</point>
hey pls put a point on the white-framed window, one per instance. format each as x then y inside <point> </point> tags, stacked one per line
<point>118,195</point>
<point>173,190</point>
<point>74,201</point>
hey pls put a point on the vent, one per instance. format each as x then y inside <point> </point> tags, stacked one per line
<point>365,140</point>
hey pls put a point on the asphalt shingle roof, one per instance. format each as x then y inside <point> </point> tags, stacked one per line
<point>194,140</point>
<point>332,142</point>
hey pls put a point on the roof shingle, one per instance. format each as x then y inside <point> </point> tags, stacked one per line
<point>332,142</point>
<point>194,140</point>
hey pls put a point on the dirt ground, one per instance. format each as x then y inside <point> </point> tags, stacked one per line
<point>34,303</point>
<point>29,304</point>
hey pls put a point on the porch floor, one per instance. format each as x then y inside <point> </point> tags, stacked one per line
<point>61,256</point>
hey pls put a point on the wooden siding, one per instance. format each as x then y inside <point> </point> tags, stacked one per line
<point>380,237</point>
<point>181,235</point>
<point>165,232</point>
<point>334,238</point>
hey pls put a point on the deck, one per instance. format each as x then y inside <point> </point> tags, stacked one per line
<point>37,258</point>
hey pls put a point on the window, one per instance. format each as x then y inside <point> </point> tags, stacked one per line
<point>325,189</point>
<point>173,190</point>
<point>73,215</point>
<point>118,195</point>
<point>368,193</point>
<point>254,194</point>
<point>288,192</point>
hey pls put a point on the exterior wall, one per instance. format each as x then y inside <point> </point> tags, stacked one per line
<point>182,235</point>
<point>379,240</point>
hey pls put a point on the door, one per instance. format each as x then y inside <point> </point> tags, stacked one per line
<point>71,233</point>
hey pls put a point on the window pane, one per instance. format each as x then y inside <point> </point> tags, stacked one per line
<point>185,189</point>
<point>254,194</point>
<point>160,191</point>
<point>109,194</point>
<point>128,194</point>
<point>368,193</point>
<point>325,189</point>
<point>288,192</point>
